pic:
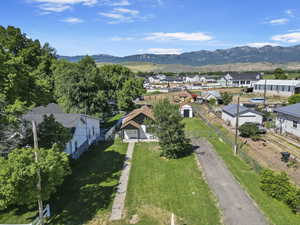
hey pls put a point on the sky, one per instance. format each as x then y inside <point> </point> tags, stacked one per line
<point>127,27</point>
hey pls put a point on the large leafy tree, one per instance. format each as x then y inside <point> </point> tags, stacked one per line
<point>50,133</point>
<point>79,88</point>
<point>25,80</point>
<point>169,128</point>
<point>280,74</point>
<point>18,175</point>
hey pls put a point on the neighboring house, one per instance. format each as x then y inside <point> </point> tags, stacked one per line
<point>192,79</point>
<point>134,127</point>
<point>240,79</point>
<point>288,119</point>
<point>208,95</point>
<point>186,110</point>
<point>85,129</point>
<point>154,79</point>
<point>229,114</point>
<point>278,87</point>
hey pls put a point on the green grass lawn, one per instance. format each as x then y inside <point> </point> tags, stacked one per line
<point>87,193</point>
<point>159,187</point>
<point>277,212</point>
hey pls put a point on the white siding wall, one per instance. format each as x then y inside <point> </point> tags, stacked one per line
<point>82,133</point>
<point>269,92</point>
<point>286,125</point>
<point>247,117</point>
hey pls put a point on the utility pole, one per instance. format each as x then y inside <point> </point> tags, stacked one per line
<point>265,93</point>
<point>39,183</point>
<point>237,127</point>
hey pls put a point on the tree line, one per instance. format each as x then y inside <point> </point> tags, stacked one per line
<point>31,75</point>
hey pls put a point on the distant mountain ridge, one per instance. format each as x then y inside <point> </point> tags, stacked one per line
<point>244,54</point>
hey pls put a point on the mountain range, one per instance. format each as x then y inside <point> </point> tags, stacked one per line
<point>244,54</point>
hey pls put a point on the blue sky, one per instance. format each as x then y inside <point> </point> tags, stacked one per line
<point>125,27</point>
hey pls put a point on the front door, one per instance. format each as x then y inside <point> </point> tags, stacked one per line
<point>186,113</point>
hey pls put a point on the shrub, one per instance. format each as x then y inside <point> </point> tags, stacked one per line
<point>248,130</point>
<point>279,187</point>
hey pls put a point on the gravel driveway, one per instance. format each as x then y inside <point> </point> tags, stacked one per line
<point>237,207</point>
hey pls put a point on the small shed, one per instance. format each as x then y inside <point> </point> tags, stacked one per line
<point>186,110</point>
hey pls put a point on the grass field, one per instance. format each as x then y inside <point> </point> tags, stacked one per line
<point>277,212</point>
<point>159,187</point>
<point>86,194</point>
<point>290,76</point>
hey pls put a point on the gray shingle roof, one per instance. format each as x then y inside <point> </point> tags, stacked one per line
<point>293,110</point>
<point>245,76</point>
<point>68,120</point>
<point>232,110</point>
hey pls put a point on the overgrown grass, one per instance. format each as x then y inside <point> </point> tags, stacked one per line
<point>159,187</point>
<point>85,194</point>
<point>89,191</point>
<point>277,212</point>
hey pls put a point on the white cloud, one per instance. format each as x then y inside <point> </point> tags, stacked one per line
<point>198,36</point>
<point>279,21</point>
<point>73,20</point>
<point>122,39</point>
<point>121,3</point>
<point>160,51</point>
<point>261,44</point>
<point>61,5</point>
<point>290,12</point>
<point>127,11</point>
<point>124,15</point>
<point>288,38</point>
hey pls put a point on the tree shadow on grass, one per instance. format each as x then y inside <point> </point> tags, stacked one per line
<point>90,188</point>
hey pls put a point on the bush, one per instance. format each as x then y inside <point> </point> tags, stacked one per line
<point>248,130</point>
<point>212,101</point>
<point>279,187</point>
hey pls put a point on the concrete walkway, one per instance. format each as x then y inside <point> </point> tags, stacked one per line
<point>119,201</point>
<point>237,207</point>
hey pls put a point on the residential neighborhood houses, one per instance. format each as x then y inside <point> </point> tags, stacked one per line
<point>277,87</point>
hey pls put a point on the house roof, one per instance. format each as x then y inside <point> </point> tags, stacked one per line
<point>213,93</point>
<point>280,82</point>
<point>143,110</point>
<point>68,120</point>
<point>292,110</point>
<point>245,76</point>
<point>232,110</point>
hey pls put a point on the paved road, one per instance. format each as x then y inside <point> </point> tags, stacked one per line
<point>236,206</point>
<point>119,201</point>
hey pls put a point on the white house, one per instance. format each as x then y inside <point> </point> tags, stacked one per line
<point>134,127</point>
<point>239,79</point>
<point>229,114</point>
<point>288,119</point>
<point>208,95</point>
<point>278,87</point>
<point>192,79</point>
<point>186,110</point>
<point>85,129</point>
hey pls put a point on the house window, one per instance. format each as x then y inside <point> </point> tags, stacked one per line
<point>76,145</point>
<point>295,123</point>
<point>248,81</point>
<point>93,131</point>
<point>289,88</point>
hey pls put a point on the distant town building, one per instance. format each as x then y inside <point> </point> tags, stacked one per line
<point>240,79</point>
<point>278,87</point>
